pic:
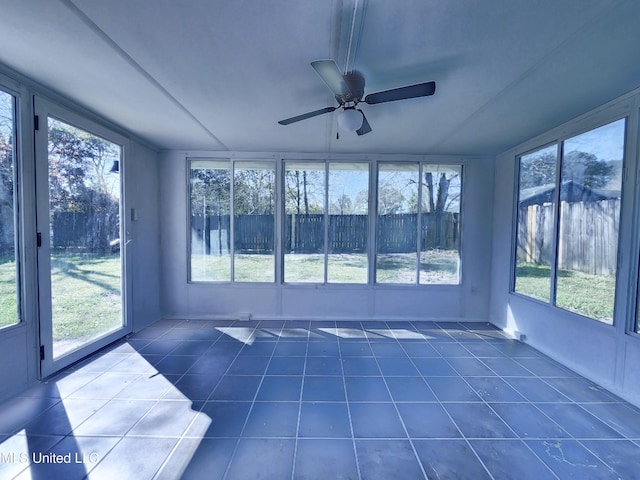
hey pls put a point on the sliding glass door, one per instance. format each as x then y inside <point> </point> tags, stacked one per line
<point>79,237</point>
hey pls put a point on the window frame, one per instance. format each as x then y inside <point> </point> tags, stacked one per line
<point>275,228</point>
<point>18,229</point>
<point>451,166</point>
<point>516,218</point>
<point>232,247</point>
<point>371,168</point>
<point>371,165</point>
<point>423,166</point>
<point>419,212</point>
<point>590,124</point>
<point>190,162</point>
<point>283,208</point>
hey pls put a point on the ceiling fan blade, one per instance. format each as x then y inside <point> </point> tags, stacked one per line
<point>402,93</point>
<point>304,116</point>
<point>365,128</point>
<point>332,76</point>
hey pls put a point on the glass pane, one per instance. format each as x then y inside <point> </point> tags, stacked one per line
<point>84,221</point>
<point>304,187</point>
<point>9,314</point>
<point>254,226</point>
<point>535,234</point>
<point>210,183</point>
<point>348,222</point>
<point>397,258</point>
<point>440,237</point>
<point>591,181</point>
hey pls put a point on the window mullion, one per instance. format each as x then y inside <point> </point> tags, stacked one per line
<point>232,220</point>
<point>419,224</point>
<point>326,222</point>
<point>278,213</point>
<point>556,225</point>
<point>372,215</point>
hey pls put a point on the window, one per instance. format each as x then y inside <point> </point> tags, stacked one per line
<point>254,221</point>
<point>324,221</point>
<point>214,256</point>
<point>591,182</point>
<point>441,191</point>
<point>210,183</point>
<point>304,222</point>
<point>348,223</point>
<point>582,250</point>
<point>397,242</point>
<point>84,237</point>
<point>418,230</point>
<point>535,223</point>
<point>9,266</point>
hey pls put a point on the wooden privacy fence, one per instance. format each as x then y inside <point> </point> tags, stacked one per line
<point>347,233</point>
<point>87,231</point>
<point>587,240</point>
<point>397,233</point>
<point>254,233</point>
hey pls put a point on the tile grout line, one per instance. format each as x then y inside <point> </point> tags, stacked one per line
<point>393,402</point>
<point>253,402</point>
<point>465,343</point>
<point>442,406</point>
<point>179,441</point>
<point>347,404</point>
<point>204,402</point>
<point>297,434</point>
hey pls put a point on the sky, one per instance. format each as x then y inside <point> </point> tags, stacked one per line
<point>606,142</point>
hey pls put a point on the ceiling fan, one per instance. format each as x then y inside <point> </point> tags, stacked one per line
<point>348,89</point>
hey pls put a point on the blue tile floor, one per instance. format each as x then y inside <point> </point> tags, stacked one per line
<point>322,400</point>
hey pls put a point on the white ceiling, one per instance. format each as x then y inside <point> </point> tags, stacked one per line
<point>219,74</point>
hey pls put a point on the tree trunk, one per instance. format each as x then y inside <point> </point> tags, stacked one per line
<point>306,197</point>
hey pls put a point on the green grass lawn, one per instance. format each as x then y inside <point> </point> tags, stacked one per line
<point>8,293</point>
<point>86,298</point>
<point>261,268</point>
<point>86,301</point>
<point>588,295</point>
<point>436,267</point>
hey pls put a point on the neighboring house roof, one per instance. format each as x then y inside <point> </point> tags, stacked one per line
<point>570,192</point>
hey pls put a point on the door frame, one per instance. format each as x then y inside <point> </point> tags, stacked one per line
<point>43,109</point>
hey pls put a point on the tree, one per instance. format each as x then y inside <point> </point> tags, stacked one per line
<point>343,205</point>
<point>210,191</point>
<point>7,220</point>
<point>78,162</point>
<point>301,191</point>
<point>581,167</point>
<point>6,196</point>
<point>254,191</point>
<point>538,170</point>
<point>390,200</point>
<point>210,197</point>
<point>586,169</point>
<point>439,199</point>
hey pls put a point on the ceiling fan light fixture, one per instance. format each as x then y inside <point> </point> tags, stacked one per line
<point>350,120</point>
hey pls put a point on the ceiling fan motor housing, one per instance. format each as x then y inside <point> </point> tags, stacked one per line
<point>355,81</point>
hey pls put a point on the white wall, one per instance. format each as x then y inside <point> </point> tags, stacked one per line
<point>467,302</point>
<point>141,200</point>
<point>608,355</point>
